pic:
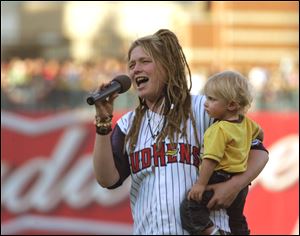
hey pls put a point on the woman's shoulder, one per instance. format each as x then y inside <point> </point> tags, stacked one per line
<point>125,120</point>
<point>127,116</point>
<point>197,103</point>
<point>198,97</point>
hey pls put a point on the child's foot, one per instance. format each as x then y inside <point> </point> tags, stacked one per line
<point>215,231</point>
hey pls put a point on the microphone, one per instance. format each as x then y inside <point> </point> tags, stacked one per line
<point>119,84</point>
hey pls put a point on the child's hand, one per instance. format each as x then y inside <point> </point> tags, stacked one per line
<point>196,192</point>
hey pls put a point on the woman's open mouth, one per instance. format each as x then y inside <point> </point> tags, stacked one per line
<point>140,80</point>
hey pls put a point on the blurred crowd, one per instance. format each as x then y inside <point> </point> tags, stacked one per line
<point>38,84</point>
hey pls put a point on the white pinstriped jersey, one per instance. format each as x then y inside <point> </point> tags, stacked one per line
<point>160,178</point>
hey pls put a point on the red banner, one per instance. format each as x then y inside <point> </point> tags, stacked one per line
<point>273,203</point>
<point>48,185</point>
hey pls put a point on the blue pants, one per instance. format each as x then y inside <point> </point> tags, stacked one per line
<point>195,215</point>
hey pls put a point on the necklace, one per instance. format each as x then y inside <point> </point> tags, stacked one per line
<point>155,123</point>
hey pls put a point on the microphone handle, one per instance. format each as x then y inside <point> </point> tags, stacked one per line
<point>101,95</point>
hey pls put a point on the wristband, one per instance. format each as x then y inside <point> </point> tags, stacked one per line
<point>103,126</point>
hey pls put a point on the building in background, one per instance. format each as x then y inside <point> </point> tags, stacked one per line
<point>260,39</point>
<point>32,29</point>
<point>243,34</point>
<point>215,34</point>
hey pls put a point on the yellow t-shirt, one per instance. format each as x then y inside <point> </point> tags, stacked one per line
<point>229,143</point>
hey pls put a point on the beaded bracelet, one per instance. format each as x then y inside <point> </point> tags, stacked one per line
<point>103,126</point>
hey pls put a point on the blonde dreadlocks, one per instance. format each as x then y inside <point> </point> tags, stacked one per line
<point>164,48</point>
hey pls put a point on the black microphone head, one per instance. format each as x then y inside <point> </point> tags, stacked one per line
<point>124,81</point>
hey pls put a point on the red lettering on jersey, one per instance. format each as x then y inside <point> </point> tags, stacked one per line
<point>146,158</point>
<point>185,153</point>
<point>164,154</point>
<point>134,159</point>
<point>196,156</point>
<point>172,153</point>
<point>159,152</point>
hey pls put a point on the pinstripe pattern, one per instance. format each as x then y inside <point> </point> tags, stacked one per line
<point>161,178</point>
